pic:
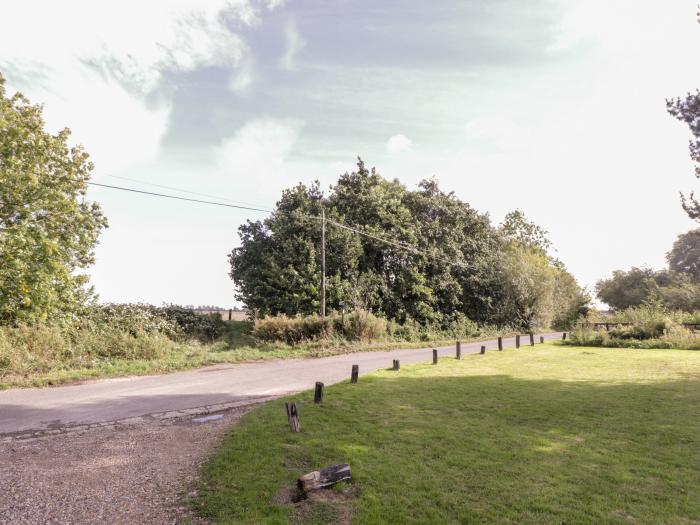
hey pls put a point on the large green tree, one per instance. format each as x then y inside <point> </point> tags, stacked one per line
<point>684,256</point>
<point>419,255</point>
<point>48,229</point>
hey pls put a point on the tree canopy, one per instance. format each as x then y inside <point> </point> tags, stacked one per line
<point>684,256</point>
<point>687,109</point>
<point>677,287</point>
<point>425,256</point>
<point>48,230</point>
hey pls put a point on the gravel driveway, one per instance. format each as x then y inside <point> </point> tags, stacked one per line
<point>129,474</point>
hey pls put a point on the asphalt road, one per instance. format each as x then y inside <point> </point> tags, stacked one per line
<point>54,408</point>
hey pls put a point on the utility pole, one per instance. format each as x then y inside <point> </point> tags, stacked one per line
<point>323,262</point>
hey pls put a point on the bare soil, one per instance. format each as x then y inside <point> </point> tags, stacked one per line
<point>136,474</point>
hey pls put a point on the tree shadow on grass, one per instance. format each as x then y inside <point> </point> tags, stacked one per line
<point>479,449</point>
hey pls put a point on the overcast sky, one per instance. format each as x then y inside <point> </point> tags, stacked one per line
<point>555,107</point>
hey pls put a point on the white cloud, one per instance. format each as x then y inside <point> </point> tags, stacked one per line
<point>497,130</point>
<point>258,150</point>
<point>95,65</point>
<point>398,143</point>
<point>294,44</point>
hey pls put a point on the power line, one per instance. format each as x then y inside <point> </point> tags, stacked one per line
<point>181,190</point>
<point>132,190</point>
<point>398,244</point>
<point>391,242</point>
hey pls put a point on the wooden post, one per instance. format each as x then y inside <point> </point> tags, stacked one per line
<point>541,339</point>
<point>230,313</point>
<point>483,349</point>
<point>532,339</point>
<point>397,365</point>
<point>517,341</point>
<point>458,350</point>
<point>500,344</point>
<point>563,336</point>
<point>293,417</point>
<point>355,372</point>
<point>324,477</point>
<point>435,356</point>
<point>318,393</point>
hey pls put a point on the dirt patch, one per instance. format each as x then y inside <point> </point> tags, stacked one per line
<point>136,474</point>
<point>330,506</point>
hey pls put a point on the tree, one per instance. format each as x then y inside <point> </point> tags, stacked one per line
<point>684,256</point>
<point>688,110</point>
<point>48,230</point>
<point>516,227</point>
<point>632,288</point>
<point>443,263</point>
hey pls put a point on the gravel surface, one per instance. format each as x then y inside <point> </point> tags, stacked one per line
<point>129,474</point>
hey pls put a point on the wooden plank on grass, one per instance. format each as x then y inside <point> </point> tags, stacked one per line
<point>324,478</point>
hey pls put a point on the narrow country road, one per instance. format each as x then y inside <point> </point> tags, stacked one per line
<point>52,409</point>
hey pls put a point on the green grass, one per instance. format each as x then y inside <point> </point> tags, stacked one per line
<point>547,435</point>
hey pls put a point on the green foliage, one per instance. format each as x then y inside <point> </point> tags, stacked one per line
<point>276,269</point>
<point>48,230</point>
<point>687,110</point>
<point>677,291</point>
<point>652,326</point>
<point>358,325</point>
<point>175,322</point>
<point>516,227</point>
<point>25,350</point>
<point>684,256</point>
<point>627,289</point>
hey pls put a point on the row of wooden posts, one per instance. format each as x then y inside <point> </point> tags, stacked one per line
<point>292,411</point>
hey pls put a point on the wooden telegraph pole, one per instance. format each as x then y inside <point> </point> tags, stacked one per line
<point>323,262</point>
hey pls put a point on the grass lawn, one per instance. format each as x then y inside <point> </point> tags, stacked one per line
<point>552,434</point>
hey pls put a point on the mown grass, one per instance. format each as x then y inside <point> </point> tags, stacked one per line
<point>50,360</point>
<point>547,435</point>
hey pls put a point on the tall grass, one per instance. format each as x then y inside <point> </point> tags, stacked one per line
<point>358,325</point>
<point>651,326</point>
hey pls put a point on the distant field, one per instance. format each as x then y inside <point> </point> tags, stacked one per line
<point>553,434</point>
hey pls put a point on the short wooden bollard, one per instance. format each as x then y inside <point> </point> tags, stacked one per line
<point>324,477</point>
<point>396,366</point>
<point>458,350</point>
<point>517,341</point>
<point>293,417</point>
<point>318,393</point>
<point>563,336</point>
<point>500,344</point>
<point>435,356</point>
<point>355,372</point>
<point>532,339</point>
<point>483,349</point>
<point>541,339</point>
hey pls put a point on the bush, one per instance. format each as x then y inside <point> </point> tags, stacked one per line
<point>358,325</point>
<point>26,349</point>
<point>136,319</point>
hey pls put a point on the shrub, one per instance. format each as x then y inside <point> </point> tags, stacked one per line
<point>358,325</point>
<point>361,325</point>
<point>137,319</point>
<point>191,324</point>
<point>25,349</point>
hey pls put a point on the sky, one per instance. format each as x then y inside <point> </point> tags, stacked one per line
<point>554,107</point>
